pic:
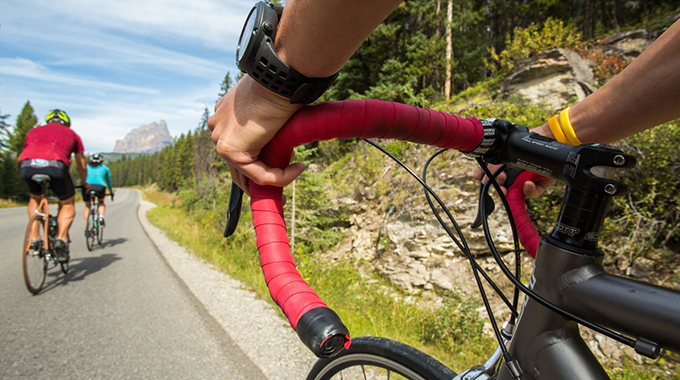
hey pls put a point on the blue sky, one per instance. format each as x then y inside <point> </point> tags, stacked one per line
<point>117,64</point>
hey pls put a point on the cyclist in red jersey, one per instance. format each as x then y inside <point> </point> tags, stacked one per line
<point>47,150</point>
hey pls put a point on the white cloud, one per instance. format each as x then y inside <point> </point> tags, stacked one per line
<point>24,68</point>
<point>212,23</point>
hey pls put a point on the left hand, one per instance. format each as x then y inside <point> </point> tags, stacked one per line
<point>245,119</point>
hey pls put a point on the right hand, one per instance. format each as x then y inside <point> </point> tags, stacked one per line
<point>530,189</point>
<point>245,119</point>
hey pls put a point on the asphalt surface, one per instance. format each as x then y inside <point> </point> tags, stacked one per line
<point>120,313</point>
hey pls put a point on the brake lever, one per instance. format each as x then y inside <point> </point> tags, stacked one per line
<point>233,210</point>
<point>490,206</point>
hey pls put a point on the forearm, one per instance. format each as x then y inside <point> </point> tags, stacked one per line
<point>317,38</point>
<point>642,96</point>
<point>82,173</point>
<point>81,166</point>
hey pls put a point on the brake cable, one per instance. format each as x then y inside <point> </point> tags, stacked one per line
<point>466,249</point>
<point>511,307</point>
<point>552,307</point>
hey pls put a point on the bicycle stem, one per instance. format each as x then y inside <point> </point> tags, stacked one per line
<point>585,169</point>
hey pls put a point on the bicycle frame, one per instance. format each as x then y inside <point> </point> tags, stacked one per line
<point>549,346</point>
<point>44,211</point>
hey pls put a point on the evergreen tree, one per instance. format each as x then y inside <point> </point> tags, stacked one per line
<point>25,122</point>
<point>11,184</point>
<point>225,86</point>
<point>203,124</point>
<point>4,131</point>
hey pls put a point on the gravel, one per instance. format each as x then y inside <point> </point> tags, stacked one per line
<point>253,324</point>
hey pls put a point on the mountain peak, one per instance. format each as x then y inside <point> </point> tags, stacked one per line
<point>148,138</point>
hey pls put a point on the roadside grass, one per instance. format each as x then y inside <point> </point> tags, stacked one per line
<point>368,304</point>
<point>7,203</point>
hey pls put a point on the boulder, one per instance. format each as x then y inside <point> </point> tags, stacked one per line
<point>556,77</point>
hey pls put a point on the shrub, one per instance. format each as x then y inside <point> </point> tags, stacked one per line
<point>527,42</point>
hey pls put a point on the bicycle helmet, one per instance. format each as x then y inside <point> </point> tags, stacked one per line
<point>97,158</point>
<point>58,116</point>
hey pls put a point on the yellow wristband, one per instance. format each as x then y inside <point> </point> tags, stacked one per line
<point>567,128</point>
<point>557,130</point>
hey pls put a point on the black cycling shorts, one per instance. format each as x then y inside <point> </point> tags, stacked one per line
<point>98,189</point>
<point>60,179</point>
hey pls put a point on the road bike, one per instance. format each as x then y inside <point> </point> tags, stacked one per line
<point>94,227</point>
<point>568,287</point>
<point>38,253</point>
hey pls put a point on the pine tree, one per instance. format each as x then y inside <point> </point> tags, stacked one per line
<point>11,185</point>
<point>4,131</point>
<point>225,86</point>
<point>25,122</point>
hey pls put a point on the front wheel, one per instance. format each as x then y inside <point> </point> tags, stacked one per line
<point>33,255</point>
<point>380,358</point>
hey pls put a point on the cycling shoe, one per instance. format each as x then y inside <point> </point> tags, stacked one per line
<point>61,249</point>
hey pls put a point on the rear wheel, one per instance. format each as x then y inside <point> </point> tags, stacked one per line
<point>90,233</point>
<point>100,232</point>
<point>380,358</point>
<point>34,262</point>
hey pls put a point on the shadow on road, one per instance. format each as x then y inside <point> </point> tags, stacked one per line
<point>113,242</point>
<point>79,269</point>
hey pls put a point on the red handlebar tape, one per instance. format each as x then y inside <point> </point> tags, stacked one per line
<point>346,119</point>
<point>525,229</point>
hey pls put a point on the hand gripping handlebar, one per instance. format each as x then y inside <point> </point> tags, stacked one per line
<point>320,329</point>
<point>317,325</point>
<point>526,231</point>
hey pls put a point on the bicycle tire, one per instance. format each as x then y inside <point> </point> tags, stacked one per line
<point>100,233</point>
<point>90,232</point>
<point>34,262</point>
<point>372,356</point>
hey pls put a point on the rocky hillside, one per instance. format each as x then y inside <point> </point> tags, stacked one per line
<point>148,138</point>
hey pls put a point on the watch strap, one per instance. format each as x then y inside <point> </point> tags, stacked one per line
<point>272,73</point>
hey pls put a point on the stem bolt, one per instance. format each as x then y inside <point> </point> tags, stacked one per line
<point>610,189</point>
<point>619,160</point>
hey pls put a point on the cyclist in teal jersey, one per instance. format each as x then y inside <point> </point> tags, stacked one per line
<point>99,178</point>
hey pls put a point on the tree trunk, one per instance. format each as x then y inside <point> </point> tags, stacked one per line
<point>449,51</point>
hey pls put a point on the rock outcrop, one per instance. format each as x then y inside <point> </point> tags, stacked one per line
<point>554,77</point>
<point>148,138</point>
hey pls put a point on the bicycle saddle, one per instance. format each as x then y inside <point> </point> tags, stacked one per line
<point>40,178</point>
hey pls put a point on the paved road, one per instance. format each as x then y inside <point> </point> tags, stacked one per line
<point>119,313</point>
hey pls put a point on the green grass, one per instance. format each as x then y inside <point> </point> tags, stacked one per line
<point>7,203</point>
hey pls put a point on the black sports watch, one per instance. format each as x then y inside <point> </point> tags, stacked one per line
<point>256,57</point>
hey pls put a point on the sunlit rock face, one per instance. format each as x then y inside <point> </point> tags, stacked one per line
<point>148,138</point>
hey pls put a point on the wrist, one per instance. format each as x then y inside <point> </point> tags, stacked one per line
<point>260,95</point>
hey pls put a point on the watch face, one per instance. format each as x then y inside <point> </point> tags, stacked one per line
<point>246,34</point>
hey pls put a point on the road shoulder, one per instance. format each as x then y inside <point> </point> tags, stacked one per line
<point>251,323</point>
